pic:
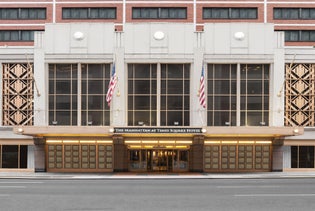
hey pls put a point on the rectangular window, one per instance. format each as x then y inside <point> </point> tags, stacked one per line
<point>299,35</point>
<point>23,13</point>
<point>13,156</point>
<point>159,13</point>
<point>89,13</point>
<point>175,97</point>
<point>94,84</point>
<point>302,156</point>
<point>221,94</point>
<point>72,97</point>
<point>254,95</point>
<point>142,94</point>
<point>16,36</point>
<point>229,13</point>
<point>294,13</point>
<point>63,94</point>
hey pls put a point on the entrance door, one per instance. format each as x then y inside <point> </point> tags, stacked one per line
<point>159,160</point>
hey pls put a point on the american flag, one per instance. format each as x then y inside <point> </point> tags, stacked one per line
<point>202,96</point>
<point>111,86</point>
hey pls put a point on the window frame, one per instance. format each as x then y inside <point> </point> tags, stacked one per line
<point>159,12</point>
<point>229,11</point>
<point>279,13</point>
<point>16,35</point>
<point>67,13</point>
<point>39,11</point>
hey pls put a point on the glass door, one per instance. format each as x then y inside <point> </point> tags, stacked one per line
<point>158,160</point>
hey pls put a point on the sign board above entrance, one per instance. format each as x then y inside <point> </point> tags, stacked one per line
<point>157,130</point>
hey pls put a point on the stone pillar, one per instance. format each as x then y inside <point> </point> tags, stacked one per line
<point>286,157</point>
<point>277,155</point>
<point>39,154</point>
<point>120,154</point>
<point>196,154</point>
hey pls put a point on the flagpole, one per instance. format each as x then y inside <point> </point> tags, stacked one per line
<point>201,94</point>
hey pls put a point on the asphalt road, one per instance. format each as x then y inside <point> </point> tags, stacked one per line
<point>157,194</point>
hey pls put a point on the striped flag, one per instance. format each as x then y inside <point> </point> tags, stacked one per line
<point>111,85</point>
<point>202,96</point>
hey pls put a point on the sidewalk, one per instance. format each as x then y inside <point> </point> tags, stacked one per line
<point>128,175</point>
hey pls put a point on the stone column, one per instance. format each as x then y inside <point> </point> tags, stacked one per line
<point>277,155</point>
<point>196,154</point>
<point>39,154</point>
<point>120,154</point>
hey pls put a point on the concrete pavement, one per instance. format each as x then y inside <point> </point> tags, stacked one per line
<point>128,175</point>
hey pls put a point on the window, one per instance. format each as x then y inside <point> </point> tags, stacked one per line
<point>175,91</point>
<point>23,13</point>
<point>16,35</point>
<point>229,13</point>
<point>142,94</point>
<point>254,95</point>
<point>94,83</point>
<point>89,13</point>
<point>159,13</point>
<point>302,156</point>
<point>294,13</point>
<point>221,94</point>
<point>63,94</point>
<point>299,35</point>
<point>65,106</point>
<point>145,99</point>
<point>13,156</point>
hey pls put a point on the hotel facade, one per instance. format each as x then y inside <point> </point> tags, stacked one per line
<point>255,60</point>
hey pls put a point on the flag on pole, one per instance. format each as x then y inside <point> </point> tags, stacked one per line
<point>111,85</point>
<point>202,96</point>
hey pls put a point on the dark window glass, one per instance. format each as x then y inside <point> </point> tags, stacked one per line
<point>294,157</point>
<point>95,79</point>
<point>23,13</point>
<point>173,86</point>
<point>33,13</point>
<point>306,157</point>
<point>221,98</point>
<point>229,13</point>
<point>254,94</point>
<point>308,13</point>
<point>159,13</point>
<point>142,94</point>
<point>10,156</point>
<point>222,87</point>
<point>23,156</point>
<point>222,118</point>
<point>16,35</point>
<point>291,36</point>
<point>300,36</point>
<point>294,13</point>
<point>89,13</point>
<point>9,13</point>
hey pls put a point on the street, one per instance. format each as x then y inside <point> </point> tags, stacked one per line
<point>157,194</point>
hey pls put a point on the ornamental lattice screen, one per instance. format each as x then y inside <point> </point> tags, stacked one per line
<point>17,94</point>
<point>299,91</point>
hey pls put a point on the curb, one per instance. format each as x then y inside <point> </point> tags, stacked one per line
<point>49,176</point>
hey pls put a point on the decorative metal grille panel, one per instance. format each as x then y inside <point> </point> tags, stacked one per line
<point>17,94</point>
<point>299,95</point>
